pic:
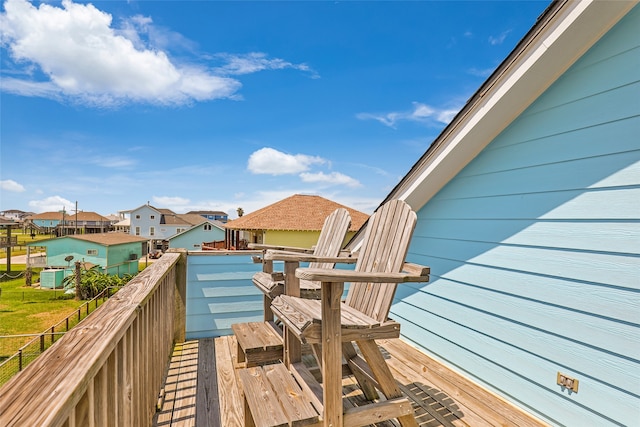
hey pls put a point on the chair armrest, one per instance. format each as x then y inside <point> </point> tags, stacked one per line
<point>411,273</point>
<point>260,246</point>
<point>299,257</point>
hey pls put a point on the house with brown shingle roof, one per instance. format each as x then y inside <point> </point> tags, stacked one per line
<point>64,223</point>
<point>294,221</point>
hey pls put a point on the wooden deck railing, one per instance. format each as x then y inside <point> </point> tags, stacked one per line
<point>109,369</point>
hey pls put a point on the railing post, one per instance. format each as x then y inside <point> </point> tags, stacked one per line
<point>53,335</point>
<point>180,306</point>
<point>41,343</point>
<point>20,360</point>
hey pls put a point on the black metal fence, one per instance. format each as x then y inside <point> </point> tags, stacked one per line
<point>30,346</point>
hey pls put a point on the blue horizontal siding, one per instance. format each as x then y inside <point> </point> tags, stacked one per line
<point>534,249</point>
<point>611,237</point>
<point>526,151</point>
<point>604,268</point>
<point>606,301</point>
<point>575,205</point>
<point>481,357</point>
<point>220,292</point>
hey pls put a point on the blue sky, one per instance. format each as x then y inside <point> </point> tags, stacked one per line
<point>215,105</point>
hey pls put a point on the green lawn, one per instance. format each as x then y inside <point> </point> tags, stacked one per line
<point>26,310</point>
<point>23,239</point>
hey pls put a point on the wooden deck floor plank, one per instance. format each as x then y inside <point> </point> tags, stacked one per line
<point>466,408</point>
<point>184,410</point>
<point>207,401</point>
<point>440,405</point>
<point>440,397</point>
<point>230,394</point>
<point>489,406</point>
<point>165,415</point>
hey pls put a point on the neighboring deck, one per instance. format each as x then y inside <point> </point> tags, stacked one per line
<point>202,389</point>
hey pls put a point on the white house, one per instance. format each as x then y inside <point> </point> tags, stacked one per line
<point>158,225</point>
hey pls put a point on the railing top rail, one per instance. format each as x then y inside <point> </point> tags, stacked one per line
<point>77,357</point>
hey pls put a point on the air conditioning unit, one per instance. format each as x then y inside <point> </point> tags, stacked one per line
<point>133,256</point>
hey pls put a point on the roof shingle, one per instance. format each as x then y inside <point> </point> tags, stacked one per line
<point>108,239</point>
<point>296,213</point>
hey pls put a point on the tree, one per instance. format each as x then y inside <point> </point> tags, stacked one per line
<point>240,212</point>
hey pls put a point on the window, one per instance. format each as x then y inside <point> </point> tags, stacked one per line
<point>207,227</point>
<point>137,216</point>
<point>92,252</point>
<point>152,231</point>
<point>152,217</point>
<point>137,231</point>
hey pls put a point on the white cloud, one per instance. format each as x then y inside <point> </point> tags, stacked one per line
<point>85,59</point>
<point>169,202</point>
<point>334,178</point>
<point>273,162</point>
<point>11,185</point>
<point>499,39</point>
<point>421,113</point>
<point>52,204</point>
<point>257,61</point>
<point>445,116</point>
<point>481,72</point>
<point>113,162</point>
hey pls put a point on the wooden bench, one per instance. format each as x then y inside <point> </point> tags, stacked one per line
<point>272,397</point>
<point>259,343</point>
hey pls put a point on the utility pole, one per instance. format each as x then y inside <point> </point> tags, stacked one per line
<point>76,230</point>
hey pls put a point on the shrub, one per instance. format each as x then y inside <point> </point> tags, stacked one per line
<point>93,281</point>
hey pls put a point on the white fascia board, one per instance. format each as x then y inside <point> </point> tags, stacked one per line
<point>558,43</point>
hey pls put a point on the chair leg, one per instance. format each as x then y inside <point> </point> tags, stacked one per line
<point>268,313</point>
<point>293,348</point>
<point>317,352</point>
<point>383,375</point>
<point>248,417</point>
<point>369,391</point>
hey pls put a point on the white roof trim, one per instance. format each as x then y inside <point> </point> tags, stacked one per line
<point>557,42</point>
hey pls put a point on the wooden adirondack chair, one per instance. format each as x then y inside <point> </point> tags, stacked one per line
<point>331,325</point>
<point>261,343</point>
<point>272,284</point>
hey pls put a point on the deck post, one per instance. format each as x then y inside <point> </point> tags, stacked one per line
<point>180,307</point>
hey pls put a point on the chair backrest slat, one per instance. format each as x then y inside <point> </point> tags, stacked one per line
<point>332,236</point>
<point>384,249</point>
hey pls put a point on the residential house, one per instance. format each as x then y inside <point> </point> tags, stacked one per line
<point>212,215</point>
<point>294,221</point>
<point>529,217</point>
<point>64,223</point>
<point>6,239</point>
<point>158,225</point>
<point>123,226</point>
<point>114,253</point>
<point>193,238</point>
<point>15,214</point>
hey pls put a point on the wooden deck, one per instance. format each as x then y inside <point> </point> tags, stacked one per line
<point>202,389</point>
